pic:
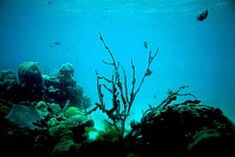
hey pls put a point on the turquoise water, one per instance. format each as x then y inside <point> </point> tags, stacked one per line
<point>194,53</point>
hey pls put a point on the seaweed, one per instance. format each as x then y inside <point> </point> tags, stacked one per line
<point>122,98</point>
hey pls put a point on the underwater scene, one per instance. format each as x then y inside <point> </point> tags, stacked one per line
<point>117,78</point>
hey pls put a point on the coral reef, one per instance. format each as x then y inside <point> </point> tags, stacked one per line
<point>42,115</point>
<point>184,129</point>
<point>57,89</point>
<point>47,115</point>
<point>63,87</point>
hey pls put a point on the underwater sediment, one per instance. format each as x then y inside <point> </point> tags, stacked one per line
<point>46,115</point>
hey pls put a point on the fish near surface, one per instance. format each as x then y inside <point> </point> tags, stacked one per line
<point>203,15</point>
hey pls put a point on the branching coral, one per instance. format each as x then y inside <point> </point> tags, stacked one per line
<point>172,96</point>
<point>122,98</point>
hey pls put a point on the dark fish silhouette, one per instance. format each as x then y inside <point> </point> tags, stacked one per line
<point>203,15</point>
<point>56,43</point>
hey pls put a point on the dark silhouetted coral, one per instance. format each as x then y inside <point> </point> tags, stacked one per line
<point>63,87</point>
<point>31,81</point>
<point>8,85</point>
<point>185,129</point>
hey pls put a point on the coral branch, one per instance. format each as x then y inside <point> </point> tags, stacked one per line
<point>122,100</point>
<point>109,51</point>
<point>147,73</point>
<point>126,87</point>
<point>172,96</point>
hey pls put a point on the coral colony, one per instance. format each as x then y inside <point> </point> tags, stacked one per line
<point>48,115</point>
<point>122,100</point>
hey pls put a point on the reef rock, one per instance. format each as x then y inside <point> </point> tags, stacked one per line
<point>8,84</point>
<point>31,81</point>
<point>185,129</point>
<point>66,75</point>
<point>24,116</point>
<point>63,87</point>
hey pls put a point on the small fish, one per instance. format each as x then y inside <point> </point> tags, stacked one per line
<point>57,43</point>
<point>203,15</point>
<point>145,44</point>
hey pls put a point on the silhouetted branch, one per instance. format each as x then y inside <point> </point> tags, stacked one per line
<point>122,100</point>
<point>110,53</point>
<point>172,96</point>
<point>147,73</point>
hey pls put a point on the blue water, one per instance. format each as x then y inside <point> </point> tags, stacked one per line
<point>194,53</point>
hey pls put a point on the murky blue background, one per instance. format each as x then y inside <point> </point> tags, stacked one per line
<point>198,54</point>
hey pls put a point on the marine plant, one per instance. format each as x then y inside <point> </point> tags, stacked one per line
<point>117,85</point>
